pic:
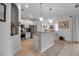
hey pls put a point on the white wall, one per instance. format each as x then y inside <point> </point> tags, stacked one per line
<point>8,45</point>
<point>5,34</point>
<point>71,33</point>
<point>76,28</point>
<point>65,32</point>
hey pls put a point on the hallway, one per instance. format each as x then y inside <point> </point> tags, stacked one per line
<point>27,49</point>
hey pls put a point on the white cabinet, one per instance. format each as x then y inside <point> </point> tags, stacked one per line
<point>36,42</point>
<point>27,34</point>
<point>43,40</point>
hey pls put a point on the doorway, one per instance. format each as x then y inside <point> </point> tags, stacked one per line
<point>14,20</point>
<point>28,32</point>
<point>26,44</point>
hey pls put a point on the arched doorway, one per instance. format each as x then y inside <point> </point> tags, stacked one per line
<point>14,20</point>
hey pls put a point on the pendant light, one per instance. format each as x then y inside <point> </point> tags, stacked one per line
<point>50,16</point>
<point>41,18</point>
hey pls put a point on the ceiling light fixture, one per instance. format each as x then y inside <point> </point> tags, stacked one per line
<point>50,21</point>
<point>26,6</point>
<point>50,16</point>
<point>41,18</point>
<point>31,16</point>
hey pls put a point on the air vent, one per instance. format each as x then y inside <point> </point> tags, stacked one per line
<point>77,5</point>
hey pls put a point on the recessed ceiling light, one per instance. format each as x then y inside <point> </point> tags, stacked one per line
<point>31,16</point>
<point>26,6</point>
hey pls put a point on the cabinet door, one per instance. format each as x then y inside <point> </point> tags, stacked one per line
<point>36,42</point>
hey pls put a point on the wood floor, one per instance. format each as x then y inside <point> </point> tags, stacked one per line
<point>60,48</point>
<point>27,49</point>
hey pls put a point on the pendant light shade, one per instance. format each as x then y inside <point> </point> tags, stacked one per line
<point>50,16</point>
<point>50,21</point>
<point>41,18</point>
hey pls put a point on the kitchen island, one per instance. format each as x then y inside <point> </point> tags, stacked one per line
<point>43,40</point>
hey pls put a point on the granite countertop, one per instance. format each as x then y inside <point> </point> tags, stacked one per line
<point>46,32</point>
<point>43,32</point>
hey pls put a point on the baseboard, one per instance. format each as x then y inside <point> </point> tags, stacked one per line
<point>47,47</point>
<point>14,54</point>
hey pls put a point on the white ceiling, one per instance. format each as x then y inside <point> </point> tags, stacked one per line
<point>57,9</point>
